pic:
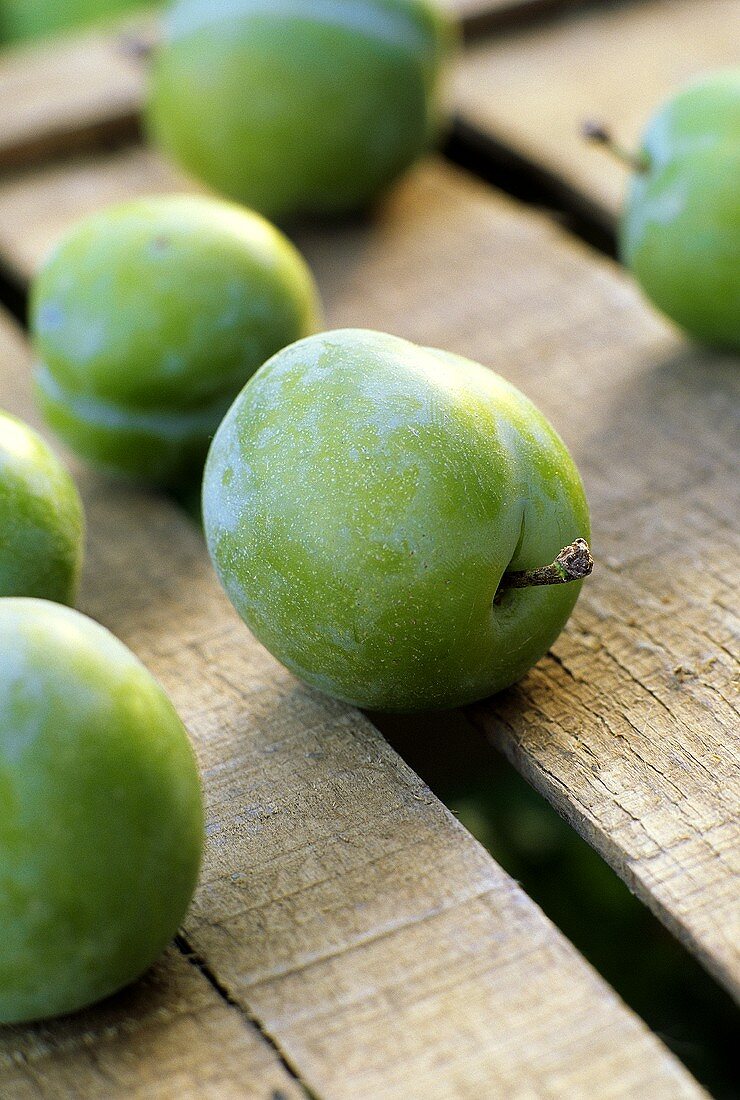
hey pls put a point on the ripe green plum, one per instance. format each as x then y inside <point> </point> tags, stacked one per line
<point>101,830</point>
<point>41,518</point>
<point>365,501</point>
<point>148,319</point>
<point>300,106</point>
<point>680,234</point>
<point>27,19</point>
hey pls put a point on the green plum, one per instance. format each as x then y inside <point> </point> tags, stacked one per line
<point>680,234</point>
<point>372,509</point>
<point>26,19</point>
<point>148,319</point>
<point>101,822</point>
<point>41,518</point>
<point>300,106</point>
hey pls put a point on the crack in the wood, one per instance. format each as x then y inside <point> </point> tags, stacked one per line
<point>196,960</point>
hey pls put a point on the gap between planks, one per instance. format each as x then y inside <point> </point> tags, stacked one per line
<point>340,903</point>
<point>200,964</point>
<point>168,1035</point>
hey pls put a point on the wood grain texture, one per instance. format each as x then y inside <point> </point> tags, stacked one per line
<point>39,205</point>
<point>341,904</point>
<point>169,1036</point>
<point>532,89</point>
<point>631,726</point>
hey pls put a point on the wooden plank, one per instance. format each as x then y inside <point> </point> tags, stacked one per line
<point>70,93</point>
<point>341,904</point>
<point>532,89</point>
<point>629,728</point>
<point>170,1035</point>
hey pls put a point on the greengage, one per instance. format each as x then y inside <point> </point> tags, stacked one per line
<point>680,232</point>
<point>381,514</point>
<point>101,829</point>
<point>41,518</point>
<point>148,319</point>
<point>300,106</point>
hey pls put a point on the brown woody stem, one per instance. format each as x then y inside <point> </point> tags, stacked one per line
<point>600,135</point>
<point>573,563</point>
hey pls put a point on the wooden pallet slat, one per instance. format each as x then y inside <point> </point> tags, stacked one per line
<point>531,90</point>
<point>341,904</point>
<point>40,204</point>
<point>169,1035</point>
<point>172,1033</point>
<point>70,93</point>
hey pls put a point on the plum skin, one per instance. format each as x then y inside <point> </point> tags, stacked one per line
<point>308,108</point>
<point>362,500</point>
<point>148,318</point>
<point>680,233</point>
<point>42,526</point>
<point>101,829</point>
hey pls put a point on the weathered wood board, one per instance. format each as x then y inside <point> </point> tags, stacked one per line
<point>631,726</point>
<point>341,905</point>
<point>532,89</point>
<point>169,1035</point>
<point>69,94</point>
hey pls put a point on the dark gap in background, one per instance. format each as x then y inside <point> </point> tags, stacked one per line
<point>521,14</point>
<point>63,146</point>
<point>517,14</point>
<point>629,947</point>
<point>502,167</point>
<point>14,297</point>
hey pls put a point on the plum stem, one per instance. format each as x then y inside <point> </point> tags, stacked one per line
<point>600,135</point>
<point>573,563</point>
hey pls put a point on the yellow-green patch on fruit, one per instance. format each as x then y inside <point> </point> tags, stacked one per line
<point>29,19</point>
